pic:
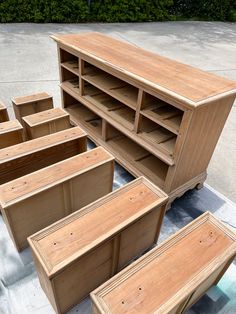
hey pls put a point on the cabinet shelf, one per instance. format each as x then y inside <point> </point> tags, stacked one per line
<point>72,85</point>
<point>128,153</point>
<point>90,120</point>
<point>157,136</point>
<point>113,86</point>
<point>72,66</point>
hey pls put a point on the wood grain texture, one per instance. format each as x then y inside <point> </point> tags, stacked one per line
<point>46,122</point>
<point>80,252</point>
<point>151,130</point>
<point>11,133</point>
<point>30,104</point>
<point>27,157</point>
<point>172,276</point>
<point>3,113</point>
<point>38,199</point>
<point>198,85</point>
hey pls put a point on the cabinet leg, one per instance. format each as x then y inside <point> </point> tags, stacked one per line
<point>199,186</point>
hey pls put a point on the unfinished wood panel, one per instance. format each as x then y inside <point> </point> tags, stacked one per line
<point>163,107</point>
<point>46,122</point>
<point>173,275</point>
<point>30,104</point>
<point>198,85</point>
<point>206,126</point>
<point>11,133</point>
<point>78,253</point>
<point>24,158</point>
<point>3,113</point>
<point>38,199</point>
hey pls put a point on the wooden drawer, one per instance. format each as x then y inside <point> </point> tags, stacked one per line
<point>11,133</point>
<point>46,122</point>
<point>76,254</point>
<point>174,275</point>
<point>24,158</point>
<point>27,105</point>
<point>3,113</point>
<point>38,199</point>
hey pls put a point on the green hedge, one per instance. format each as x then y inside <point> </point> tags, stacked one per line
<point>74,11</point>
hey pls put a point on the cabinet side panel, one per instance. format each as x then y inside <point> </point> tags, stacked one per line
<point>34,214</point>
<point>11,138</point>
<point>91,185</point>
<point>205,129</point>
<point>138,237</point>
<point>204,286</point>
<point>80,278</point>
<point>21,166</point>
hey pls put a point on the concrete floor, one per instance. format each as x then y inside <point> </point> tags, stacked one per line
<point>28,64</point>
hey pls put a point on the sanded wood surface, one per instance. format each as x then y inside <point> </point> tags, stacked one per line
<point>46,122</point>
<point>11,133</point>
<point>40,180</point>
<point>26,157</point>
<point>3,113</point>
<point>181,264</point>
<point>181,79</point>
<point>34,201</point>
<point>163,118</point>
<point>45,116</point>
<point>31,98</point>
<point>89,246</point>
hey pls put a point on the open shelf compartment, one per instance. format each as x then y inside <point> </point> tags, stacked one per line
<point>70,80</point>
<point>112,85</point>
<point>82,114</point>
<point>111,106</point>
<point>69,61</point>
<point>162,113</point>
<point>158,136</point>
<point>135,155</point>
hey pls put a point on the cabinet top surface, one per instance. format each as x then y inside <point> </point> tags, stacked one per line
<point>38,144</point>
<point>28,185</point>
<point>30,98</point>
<point>45,116</point>
<point>80,232</point>
<point>171,77</point>
<point>152,282</point>
<point>10,126</point>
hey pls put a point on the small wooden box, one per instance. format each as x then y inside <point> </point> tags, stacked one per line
<point>76,254</point>
<point>27,105</point>
<point>46,122</point>
<point>24,158</point>
<point>11,133</point>
<point>38,199</point>
<point>173,276</point>
<point>3,113</point>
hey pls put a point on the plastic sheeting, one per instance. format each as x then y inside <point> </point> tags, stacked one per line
<point>20,291</point>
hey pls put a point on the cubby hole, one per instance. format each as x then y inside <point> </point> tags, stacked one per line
<point>70,80</point>
<point>157,135</point>
<point>69,61</point>
<point>111,106</point>
<point>112,85</point>
<point>134,154</point>
<point>82,114</point>
<point>161,112</point>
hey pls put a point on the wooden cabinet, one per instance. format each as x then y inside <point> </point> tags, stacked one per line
<point>11,133</point>
<point>24,158</point>
<point>160,118</point>
<point>80,252</point>
<point>46,122</point>
<point>3,113</point>
<point>174,275</point>
<point>30,104</point>
<point>38,199</point>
